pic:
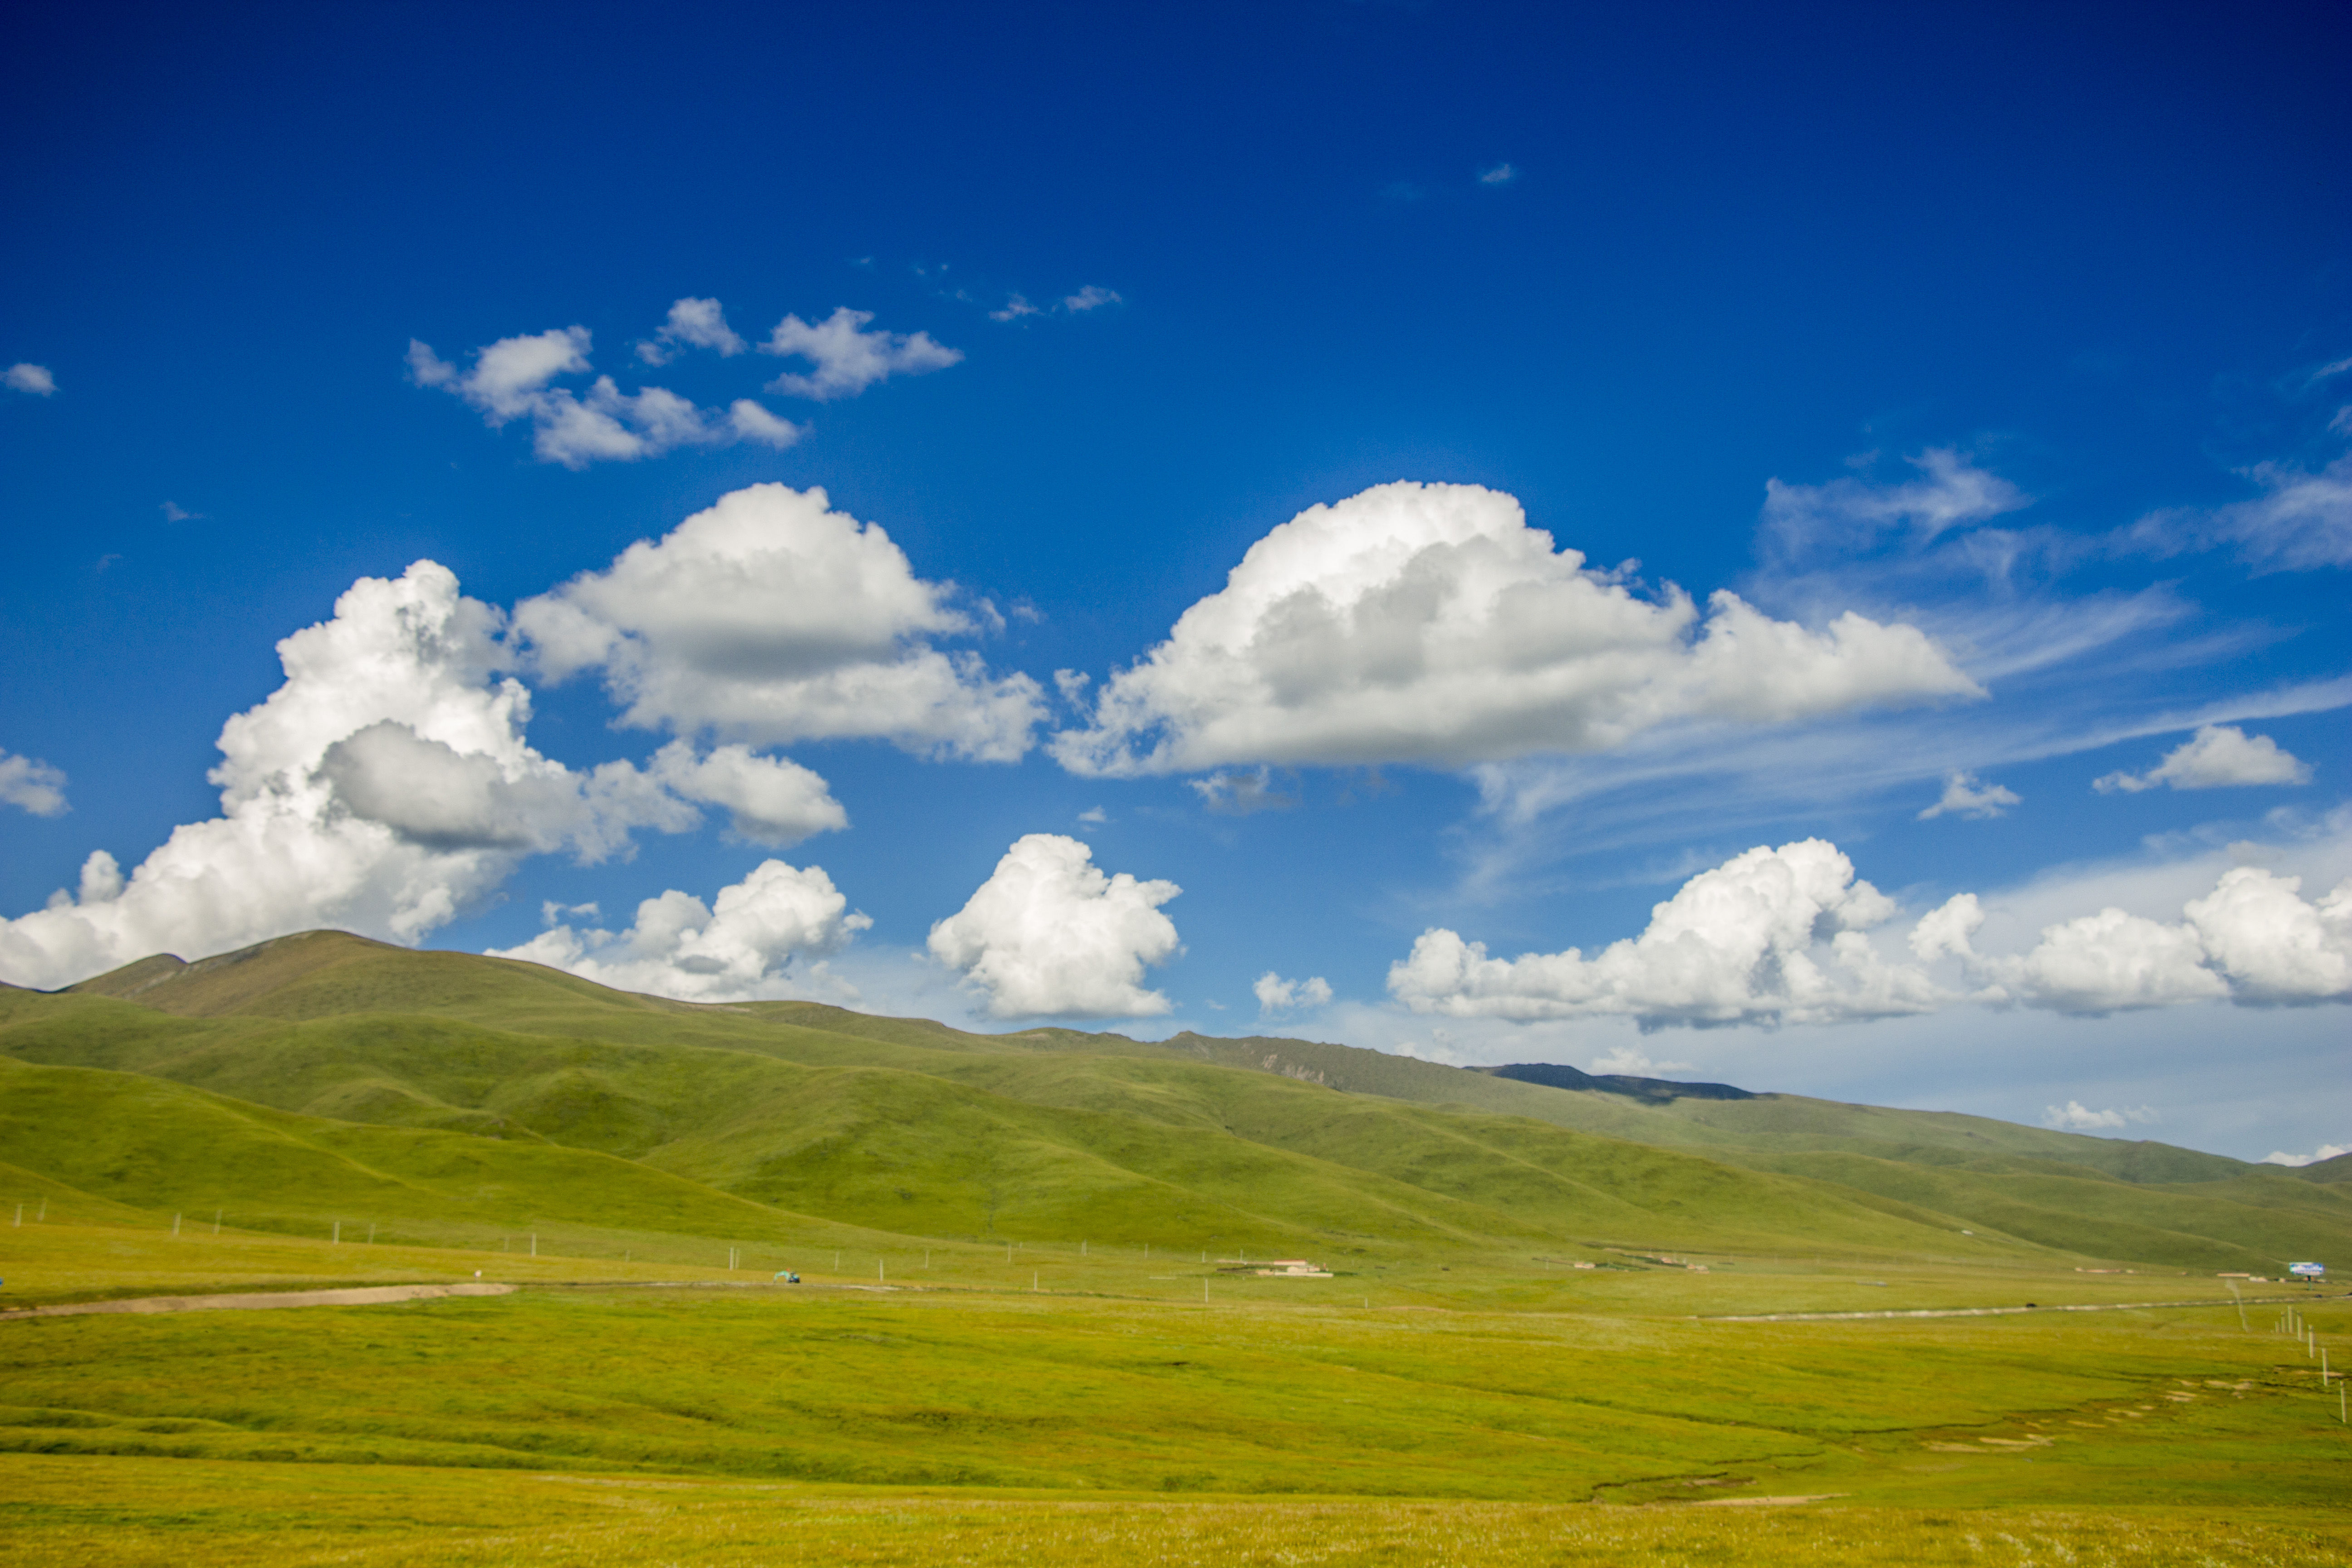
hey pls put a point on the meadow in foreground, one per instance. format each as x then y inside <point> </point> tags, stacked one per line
<point>970,1390</point>
<point>142,1512</point>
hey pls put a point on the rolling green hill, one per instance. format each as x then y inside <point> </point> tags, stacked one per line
<point>313,1072</point>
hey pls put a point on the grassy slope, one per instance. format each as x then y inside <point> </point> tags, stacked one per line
<point>1172,1152</point>
<point>911,1126</point>
<point>140,1142</point>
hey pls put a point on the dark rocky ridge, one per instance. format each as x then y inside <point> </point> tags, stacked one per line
<point>1649,1090</point>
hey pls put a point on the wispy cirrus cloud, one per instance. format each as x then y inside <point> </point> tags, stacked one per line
<point>1092,297</point>
<point>2300,519</point>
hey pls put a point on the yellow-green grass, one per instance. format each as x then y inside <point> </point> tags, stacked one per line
<point>1007,1390</point>
<point>71,1247</point>
<point>136,1512</point>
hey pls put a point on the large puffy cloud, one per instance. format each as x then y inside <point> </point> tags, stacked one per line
<point>1735,944</point>
<point>744,945</point>
<point>769,800</point>
<point>2112,960</point>
<point>1778,935</point>
<point>514,379</point>
<point>384,787</point>
<point>33,378</point>
<point>1428,623</point>
<point>2275,946</point>
<point>2217,757</point>
<point>31,785</point>
<point>2253,940</point>
<point>1049,935</point>
<point>771,618</point>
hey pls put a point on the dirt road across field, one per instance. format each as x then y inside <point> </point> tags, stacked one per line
<point>364,1296</point>
<point>2012,1311</point>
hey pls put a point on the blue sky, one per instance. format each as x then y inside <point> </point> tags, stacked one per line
<point>2011,341</point>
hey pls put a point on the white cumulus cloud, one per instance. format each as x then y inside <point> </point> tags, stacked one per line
<point>32,784</point>
<point>753,422</point>
<point>692,323</point>
<point>1093,297</point>
<point>742,946</point>
<point>1778,936</point>
<point>1428,623</point>
<point>2324,1152</point>
<point>385,787</point>
<point>2253,940</point>
<point>1633,1062</point>
<point>847,358</point>
<point>2075,1117</point>
<point>1965,796</point>
<point>2275,946</point>
<point>1050,935</point>
<point>1735,944</point>
<point>771,617</point>
<point>1275,994</point>
<point>769,800</point>
<point>34,379</point>
<point>1500,175</point>
<point>514,379</point>
<point>2217,757</point>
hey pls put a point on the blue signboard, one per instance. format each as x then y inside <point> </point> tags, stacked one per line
<point>2308,1270</point>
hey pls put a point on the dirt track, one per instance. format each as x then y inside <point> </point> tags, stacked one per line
<point>361,1296</point>
<point>2012,1311</point>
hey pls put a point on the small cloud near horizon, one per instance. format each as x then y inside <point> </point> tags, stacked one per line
<point>2324,1152</point>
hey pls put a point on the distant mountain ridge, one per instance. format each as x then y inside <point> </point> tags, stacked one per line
<point>910,1126</point>
<point>1650,1091</point>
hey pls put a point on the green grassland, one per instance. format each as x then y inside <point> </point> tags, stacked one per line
<point>912,1128</point>
<point>966,1421</point>
<point>61,1513</point>
<point>1027,1331</point>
